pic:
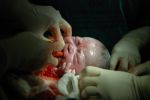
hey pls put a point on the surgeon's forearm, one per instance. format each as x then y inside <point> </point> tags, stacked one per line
<point>138,37</point>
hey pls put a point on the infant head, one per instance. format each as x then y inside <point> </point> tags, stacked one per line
<point>80,52</point>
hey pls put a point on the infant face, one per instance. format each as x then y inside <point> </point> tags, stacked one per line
<point>80,52</point>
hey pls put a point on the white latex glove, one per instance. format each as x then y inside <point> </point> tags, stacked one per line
<point>36,18</point>
<point>113,85</point>
<point>125,55</point>
<point>27,51</point>
<point>68,86</point>
<point>142,69</point>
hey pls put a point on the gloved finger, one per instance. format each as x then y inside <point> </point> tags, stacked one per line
<point>90,71</point>
<point>142,69</point>
<point>130,66</point>
<point>65,27</point>
<point>89,91</point>
<point>137,59</point>
<point>113,61</point>
<point>56,33</point>
<point>88,81</point>
<point>123,64</point>
<point>137,70</point>
<point>131,63</point>
<point>42,37</point>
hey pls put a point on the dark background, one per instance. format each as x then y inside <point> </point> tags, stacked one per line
<point>105,20</point>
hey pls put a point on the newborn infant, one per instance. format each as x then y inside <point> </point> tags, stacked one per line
<point>80,52</point>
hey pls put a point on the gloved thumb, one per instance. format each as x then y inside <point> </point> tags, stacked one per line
<point>142,69</point>
<point>65,27</point>
<point>42,37</point>
<point>56,33</point>
<point>90,91</point>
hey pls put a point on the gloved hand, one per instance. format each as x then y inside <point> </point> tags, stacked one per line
<point>125,55</point>
<point>28,51</point>
<point>142,69</point>
<point>105,84</point>
<point>36,18</point>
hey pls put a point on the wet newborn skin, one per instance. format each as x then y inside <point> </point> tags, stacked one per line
<point>80,52</point>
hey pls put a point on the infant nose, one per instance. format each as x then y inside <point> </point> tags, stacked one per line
<point>58,54</point>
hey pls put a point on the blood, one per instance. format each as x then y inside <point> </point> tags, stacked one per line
<point>57,54</point>
<point>52,73</point>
